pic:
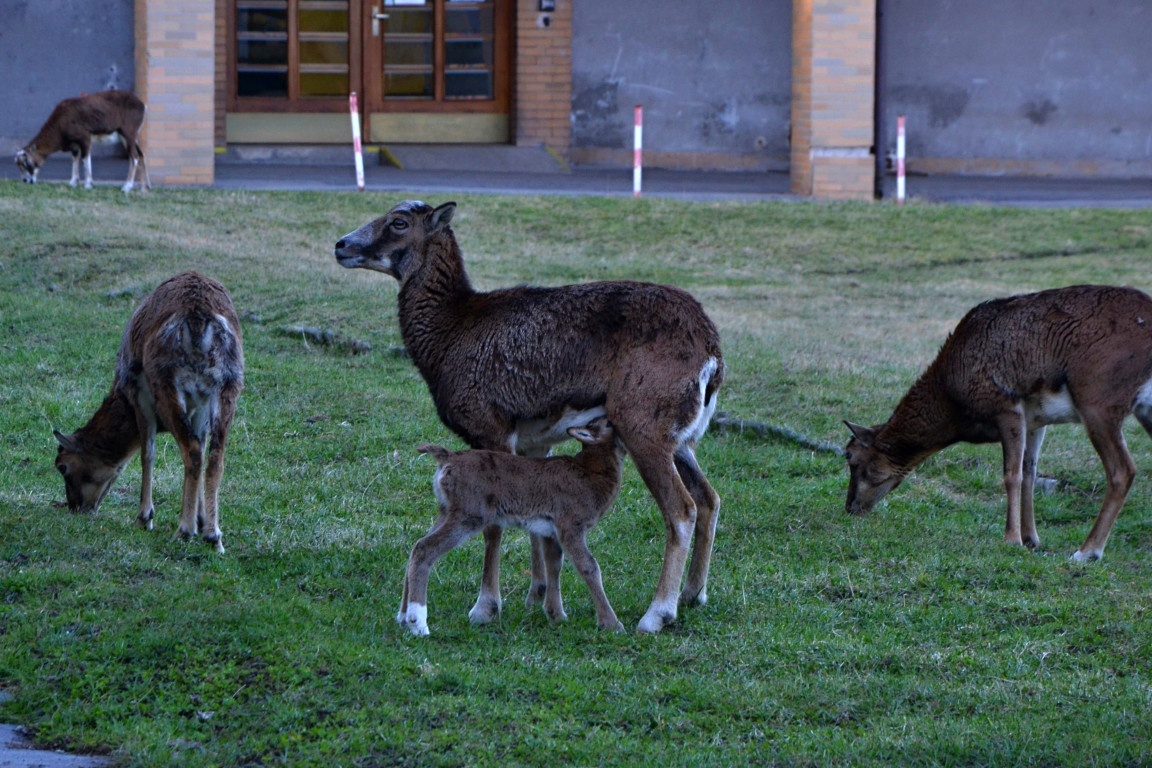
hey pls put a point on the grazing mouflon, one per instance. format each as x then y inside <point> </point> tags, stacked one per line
<point>1012,367</point>
<point>73,125</point>
<point>180,370</point>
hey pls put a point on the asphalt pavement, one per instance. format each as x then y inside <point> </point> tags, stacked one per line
<point>614,182</point>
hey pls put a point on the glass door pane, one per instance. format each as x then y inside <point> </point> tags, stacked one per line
<point>262,48</point>
<point>409,49</point>
<point>468,50</point>
<point>323,39</point>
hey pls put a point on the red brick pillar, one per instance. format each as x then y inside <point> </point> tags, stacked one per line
<point>833,74</point>
<point>175,70</point>
<point>542,91</point>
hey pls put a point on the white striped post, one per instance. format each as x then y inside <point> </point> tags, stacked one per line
<point>356,141</point>
<point>900,160</point>
<point>637,142</point>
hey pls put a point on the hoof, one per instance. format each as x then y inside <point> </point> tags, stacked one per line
<point>1080,556</point>
<point>660,614</point>
<point>556,615</point>
<point>689,598</point>
<point>216,540</point>
<point>653,623</point>
<point>416,619</point>
<point>535,594</point>
<point>486,609</point>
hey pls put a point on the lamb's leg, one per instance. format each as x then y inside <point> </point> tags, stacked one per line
<point>448,534</point>
<point>553,556</point>
<point>538,587</point>
<point>487,605</point>
<point>577,548</point>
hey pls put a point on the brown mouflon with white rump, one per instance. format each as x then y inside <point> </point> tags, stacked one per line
<point>180,369</point>
<point>75,122</point>
<point>1012,367</point>
<point>512,369</point>
<point>558,498</point>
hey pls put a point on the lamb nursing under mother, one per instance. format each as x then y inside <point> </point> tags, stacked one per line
<point>513,369</point>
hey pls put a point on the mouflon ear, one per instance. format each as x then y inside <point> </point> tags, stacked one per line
<point>592,432</point>
<point>865,435</point>
<point>65,441</point>
<point>441,216</point>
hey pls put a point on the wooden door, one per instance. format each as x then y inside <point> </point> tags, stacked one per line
<point>426,71</point>
<point>436,71</point>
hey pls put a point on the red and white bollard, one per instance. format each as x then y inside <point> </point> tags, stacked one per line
<point>900,160</point>
<point>637,141</point>
<point>356,141</point>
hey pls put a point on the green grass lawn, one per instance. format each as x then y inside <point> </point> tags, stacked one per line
<point>909,637</point>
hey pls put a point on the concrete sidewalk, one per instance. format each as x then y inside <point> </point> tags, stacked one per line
<point>16,751</point>
<point>683,185</point>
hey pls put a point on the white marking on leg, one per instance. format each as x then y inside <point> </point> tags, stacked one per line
<point>659,614</point>
<point>1083,557</point>
<point>663,612</point>
<point>131,177</point>
<point>417,619</point>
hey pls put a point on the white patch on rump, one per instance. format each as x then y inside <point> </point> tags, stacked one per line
<point>695,430</point>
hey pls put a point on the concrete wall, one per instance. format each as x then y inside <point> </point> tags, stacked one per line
<point>714,79</point>
<point>53,49</point>
<point>1038,86</point>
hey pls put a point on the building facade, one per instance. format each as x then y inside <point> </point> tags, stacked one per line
<point>805,86</point>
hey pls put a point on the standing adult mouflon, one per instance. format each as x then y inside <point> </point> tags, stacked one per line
<point>513,369</point>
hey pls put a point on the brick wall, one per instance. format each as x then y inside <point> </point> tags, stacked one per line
<point>175,76</point>
<point>833,72</point>
<point>221,94</point>
<point>542,86</point>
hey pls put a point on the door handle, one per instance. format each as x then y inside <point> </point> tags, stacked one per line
<point>377,17</point>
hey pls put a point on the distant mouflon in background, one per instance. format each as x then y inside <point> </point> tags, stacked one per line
<point>180,369</point>
<point>73,125</point>
<point>1012,367</point>
<point>513,369</point>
